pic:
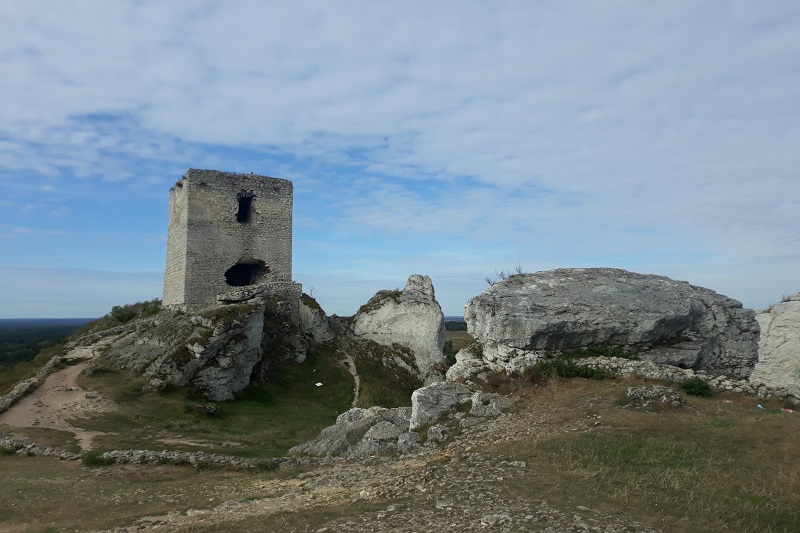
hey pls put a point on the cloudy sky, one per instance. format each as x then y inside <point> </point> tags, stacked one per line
<point>448,138</point>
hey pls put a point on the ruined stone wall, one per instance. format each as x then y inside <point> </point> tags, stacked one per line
<point>226,231</point>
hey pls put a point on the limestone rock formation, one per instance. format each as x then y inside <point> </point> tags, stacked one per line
<point>216,350</point>
<point>359,433</point>
<point>779,347</point>
<point>314,322</point>
<point>526,317</point>
<point>437,411</point>
<point>411,318</point>
<point>429,403</point>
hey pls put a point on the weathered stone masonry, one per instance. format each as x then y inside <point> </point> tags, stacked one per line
<point>226,231</point>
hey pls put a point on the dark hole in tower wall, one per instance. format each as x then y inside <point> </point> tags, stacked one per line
<point>245,211</point>
<point>243,274</point>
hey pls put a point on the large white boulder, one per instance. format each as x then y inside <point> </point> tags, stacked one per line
<point>411,318</point>
<point>526,317</point>
<point>779,347</point>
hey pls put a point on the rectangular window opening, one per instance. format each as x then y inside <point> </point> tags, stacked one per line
<point>245,209</point>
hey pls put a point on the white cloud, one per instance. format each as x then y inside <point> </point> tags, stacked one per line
<point>642,134</point>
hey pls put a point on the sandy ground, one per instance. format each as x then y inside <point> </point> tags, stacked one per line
<point>60,399</point>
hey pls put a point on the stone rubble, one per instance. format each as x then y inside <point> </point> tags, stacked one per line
<point>30,448</point>
<point>651,397</point>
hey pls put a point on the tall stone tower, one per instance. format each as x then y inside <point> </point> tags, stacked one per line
<point>226,231</point>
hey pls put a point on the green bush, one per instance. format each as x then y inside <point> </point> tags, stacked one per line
<point>7,450</point>
<point>566,367</point>
<point>697,387</point>
<point>601,350</point>
<point>449,353</point>
<point>95,458</point>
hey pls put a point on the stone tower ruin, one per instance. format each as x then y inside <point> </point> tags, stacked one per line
<point>227,231</point>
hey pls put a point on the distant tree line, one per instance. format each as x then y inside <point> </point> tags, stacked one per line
<point>455,325</point>
<point>21,342</point>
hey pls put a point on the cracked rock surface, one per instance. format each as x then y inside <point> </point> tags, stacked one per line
<point>526,317</point>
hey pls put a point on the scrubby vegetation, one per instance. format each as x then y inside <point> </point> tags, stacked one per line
<point>379,299</point>
<point>10,376</point>
<point>385,380</point>
<point>22,340</point>
<point>697,387</point>
<point>119,315</point>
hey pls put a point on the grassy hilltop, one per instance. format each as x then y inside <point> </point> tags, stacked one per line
<point>571,446</point>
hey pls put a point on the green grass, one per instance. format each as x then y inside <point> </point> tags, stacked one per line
<point>381,384</point>
<point>726,469</point>
<point>40,494</point>
<point>63,440</point>
<point>265,420</point>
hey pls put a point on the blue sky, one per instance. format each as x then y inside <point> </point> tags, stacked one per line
<point>448,138</point>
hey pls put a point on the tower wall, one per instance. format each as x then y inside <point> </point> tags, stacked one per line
<point>226,231</point>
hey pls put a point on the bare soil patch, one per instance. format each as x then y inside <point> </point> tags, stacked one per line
<point>60,399</point>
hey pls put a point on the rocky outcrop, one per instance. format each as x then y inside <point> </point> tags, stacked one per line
<point>359,433</point>
<point>437,411</point>
<point>779,346</point>
<point>429,403</point>
<point>314,322</point>
<point>411,318</point>
<point>527,317</point>
<point>216,350</point>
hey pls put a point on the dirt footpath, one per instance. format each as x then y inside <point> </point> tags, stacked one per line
<point>60,399</point>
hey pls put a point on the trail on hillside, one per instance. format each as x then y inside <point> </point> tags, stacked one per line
<point>350,364</point>
<point>60,399</point>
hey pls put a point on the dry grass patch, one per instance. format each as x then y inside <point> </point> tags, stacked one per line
<point>460,339</point>
<point>726,468</point>
<point>42,494</point>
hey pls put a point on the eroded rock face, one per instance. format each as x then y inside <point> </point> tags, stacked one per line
<point>411,318</point>
<point>313,321</point>
<point>531,316</point>
<point>779,346</point>
<point>216,350</point>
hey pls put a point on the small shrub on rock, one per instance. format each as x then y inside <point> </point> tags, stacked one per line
<point>95,458</point>
<point>566,367</point>
<point>697,387</point>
